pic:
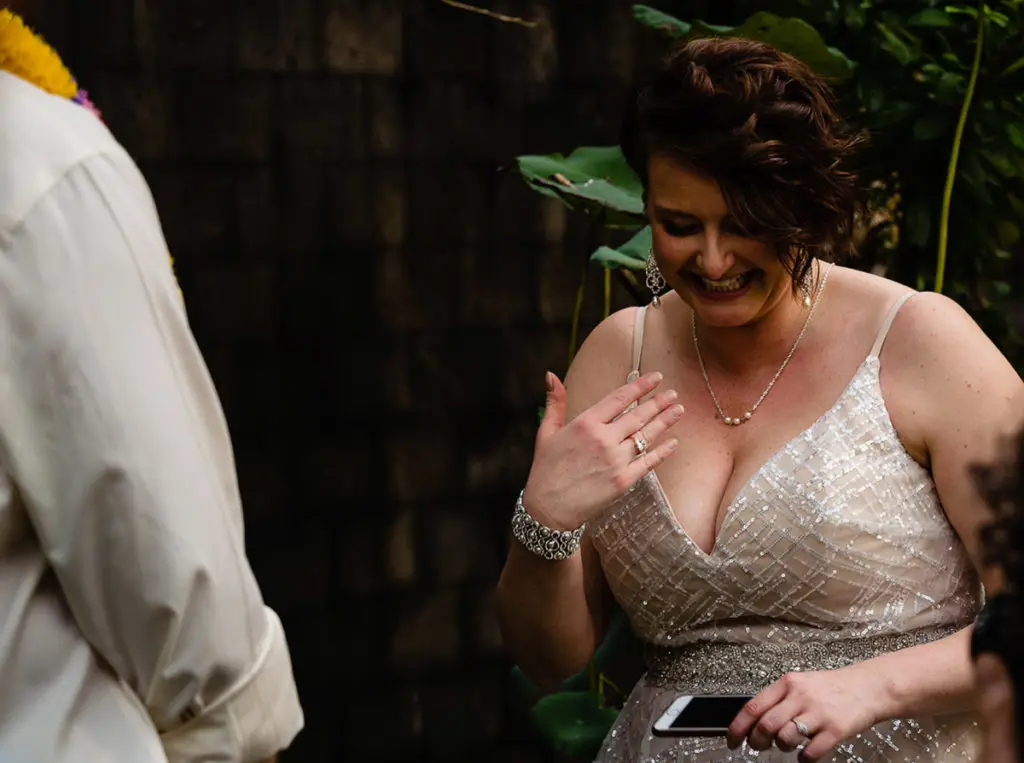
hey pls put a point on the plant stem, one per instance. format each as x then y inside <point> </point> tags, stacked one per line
<point>576,311</point>
<point>607,292</point>
<point>491,14</point>
<point>629,282</point>
<point>947,194</point>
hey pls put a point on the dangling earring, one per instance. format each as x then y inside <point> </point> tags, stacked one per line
<point>655,280</point>
<point>806,282</point>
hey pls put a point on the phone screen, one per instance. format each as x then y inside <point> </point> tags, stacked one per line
<point>709,713</point>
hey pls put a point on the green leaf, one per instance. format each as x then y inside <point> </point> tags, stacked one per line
<point>792,35</point>
<point>1015,134</point>
<point>997,18</point>
<point>931,125</point>
<point>893,45</point>
<point>890,113</point>
<point>655,19</point>
<point>1000,162</point>
<point>930,17</point>
<point>574,724</point>
<point>919,222</point>
<point>590,180</point>
<point>1014,67</point>
<point>965,9</point>
<point>631,255</point>
<point>1007,232</point>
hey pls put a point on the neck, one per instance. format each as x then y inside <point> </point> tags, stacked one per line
<point>767,341</point>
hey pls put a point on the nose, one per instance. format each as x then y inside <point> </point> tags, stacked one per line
<point>716,259</point>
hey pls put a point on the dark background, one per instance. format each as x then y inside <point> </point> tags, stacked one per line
<point>377,302</point>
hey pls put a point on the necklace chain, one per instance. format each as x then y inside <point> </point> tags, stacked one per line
<point>707,382</point>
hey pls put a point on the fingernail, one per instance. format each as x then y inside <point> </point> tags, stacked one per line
<point>671,395</point>
<point>671,444</point>
<point>549,381</point>
<point>678,412</point>
<point>655,378</point>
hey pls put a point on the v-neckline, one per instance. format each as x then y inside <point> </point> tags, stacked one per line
<point>729,510</point>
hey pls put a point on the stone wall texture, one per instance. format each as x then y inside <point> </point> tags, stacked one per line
<point>377,298</point>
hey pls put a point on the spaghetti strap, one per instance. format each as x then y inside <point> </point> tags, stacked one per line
<point>889,318</point>
<point>638,343</point>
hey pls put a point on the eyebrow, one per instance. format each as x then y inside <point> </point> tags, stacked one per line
<point>678,214</point>
<point>669,212</point>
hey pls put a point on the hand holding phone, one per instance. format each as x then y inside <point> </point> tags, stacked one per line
<point>700,716</point>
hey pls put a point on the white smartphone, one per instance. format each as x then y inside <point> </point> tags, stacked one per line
<point>700,716</point>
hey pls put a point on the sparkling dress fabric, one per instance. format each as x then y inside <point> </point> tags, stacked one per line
<point>835,551</point>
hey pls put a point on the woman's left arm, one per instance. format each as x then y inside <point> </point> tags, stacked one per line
<point>951,396</point>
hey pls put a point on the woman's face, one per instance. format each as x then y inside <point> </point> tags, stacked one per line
<point>727,278</point>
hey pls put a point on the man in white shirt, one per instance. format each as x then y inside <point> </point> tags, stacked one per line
<point>131,627</point>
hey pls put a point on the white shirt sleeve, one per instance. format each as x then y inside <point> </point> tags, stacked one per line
<point>112,431</point>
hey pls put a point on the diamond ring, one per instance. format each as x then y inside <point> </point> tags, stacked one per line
<point>802,728</point>
<point>639,443</point>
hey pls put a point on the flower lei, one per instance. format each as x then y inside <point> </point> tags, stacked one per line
<point>24,54</point>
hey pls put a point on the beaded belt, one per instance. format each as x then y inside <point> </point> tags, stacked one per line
<point>726,668</point>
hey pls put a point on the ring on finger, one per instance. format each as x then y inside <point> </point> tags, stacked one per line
<point>802,728</point>
<point>639,443</point>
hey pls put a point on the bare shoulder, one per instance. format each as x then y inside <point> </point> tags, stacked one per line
<point>944,378</point>
<point>931,332</point>
<point>602,363</point>
<point>858,302</point>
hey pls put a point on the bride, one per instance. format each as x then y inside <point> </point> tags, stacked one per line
<point>805,532</point>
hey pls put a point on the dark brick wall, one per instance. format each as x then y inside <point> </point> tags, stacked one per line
<point>377,302</point>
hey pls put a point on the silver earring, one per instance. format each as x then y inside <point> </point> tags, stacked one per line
<point>655,280</point>
<point>806,289</point>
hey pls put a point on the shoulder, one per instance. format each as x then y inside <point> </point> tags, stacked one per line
<point>42,137</point>
<point>602,363</point>
<point>944,378</point>
<point>932,330</point>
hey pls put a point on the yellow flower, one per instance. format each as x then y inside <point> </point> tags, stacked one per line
<point>25,55</point>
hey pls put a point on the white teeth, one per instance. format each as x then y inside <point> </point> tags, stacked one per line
<point>732,284</point>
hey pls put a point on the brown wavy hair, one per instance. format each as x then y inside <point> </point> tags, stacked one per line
<point>764,126</point>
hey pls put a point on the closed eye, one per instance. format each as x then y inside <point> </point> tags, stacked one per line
<point>681,231</point>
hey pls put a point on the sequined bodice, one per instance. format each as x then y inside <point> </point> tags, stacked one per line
<point>840,534</point>
<point>836,549</point>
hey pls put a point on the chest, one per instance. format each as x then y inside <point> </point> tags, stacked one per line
<point>715,462</point>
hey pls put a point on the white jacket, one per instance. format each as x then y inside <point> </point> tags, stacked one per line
<point>131,627</point>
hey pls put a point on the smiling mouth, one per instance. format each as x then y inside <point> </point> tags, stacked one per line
<point>725,285</point>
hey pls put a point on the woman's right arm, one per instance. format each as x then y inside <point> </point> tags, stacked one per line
<point>553,614</point>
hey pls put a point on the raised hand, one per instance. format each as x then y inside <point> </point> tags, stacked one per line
<point>580,468</point>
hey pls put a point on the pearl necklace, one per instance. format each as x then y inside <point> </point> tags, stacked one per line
<point>707,382</point>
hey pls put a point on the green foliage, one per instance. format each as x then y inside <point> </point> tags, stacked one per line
<point>597,181</point>
<point>573,723</point>
<point>792,35</point>
<point>631,255</point>
<point>944,171</point>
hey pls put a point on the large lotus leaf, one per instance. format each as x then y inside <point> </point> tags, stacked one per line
<point>573,723</point>
<point>792,35</point>
<point>631,255</point>
<point>655,19</point>
<point>591,179</point>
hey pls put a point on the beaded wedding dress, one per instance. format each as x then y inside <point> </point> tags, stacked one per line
<point>837,550</point>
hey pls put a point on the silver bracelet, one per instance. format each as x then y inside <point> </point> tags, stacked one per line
<point>553,545</point>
